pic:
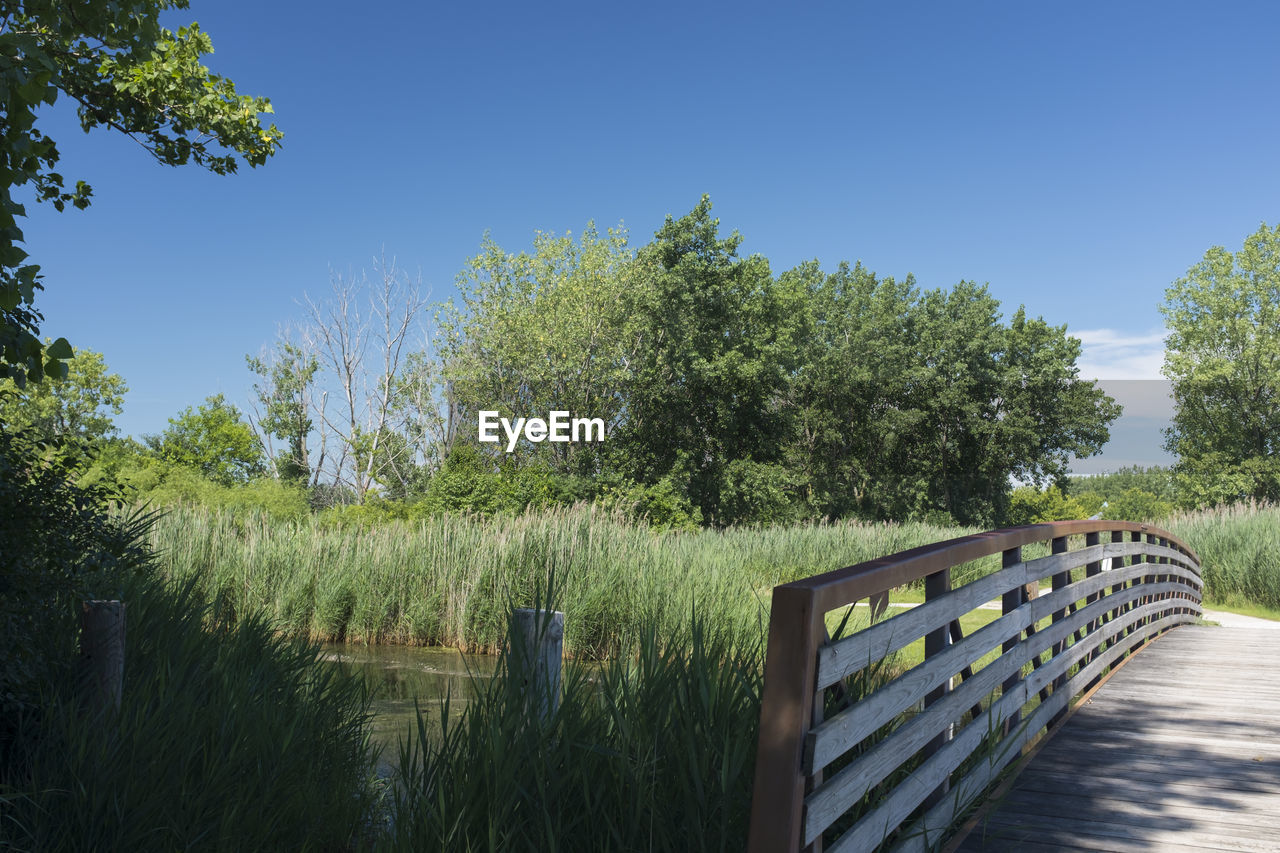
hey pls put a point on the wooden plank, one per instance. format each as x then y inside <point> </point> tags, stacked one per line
<point>1163,792</point>
<point>843,731</point>
<point>851,654</point>
<point>1191,778</point>
<point>1117,836</point>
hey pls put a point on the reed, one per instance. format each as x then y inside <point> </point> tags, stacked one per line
<point>651,752</point>
<point>448,580</point>
<point>1239,548</point>
<point>228,737</point>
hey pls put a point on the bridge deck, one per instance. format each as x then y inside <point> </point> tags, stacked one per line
<point>1178,751</point>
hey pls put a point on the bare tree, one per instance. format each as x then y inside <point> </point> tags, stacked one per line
<point>363,335</point>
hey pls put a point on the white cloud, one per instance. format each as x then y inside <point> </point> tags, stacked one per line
<point>1112,354</point>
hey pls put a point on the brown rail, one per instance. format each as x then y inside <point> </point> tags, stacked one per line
<point>856,762</point>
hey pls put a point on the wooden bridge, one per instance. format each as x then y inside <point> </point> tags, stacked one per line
<point>1076,720</point>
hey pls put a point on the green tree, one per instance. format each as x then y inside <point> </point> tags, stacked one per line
<point>80,406</point>
<point>719,343</point>
<point>212,439</point>
<point>852,428</point>
<point>283,409</point>
<point>126,72</point>
<point>1223,358</point>
<point>998,402</point>
<point>544,331</point>
<point>1155,480</point>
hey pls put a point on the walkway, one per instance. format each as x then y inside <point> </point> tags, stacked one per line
<point>1179,751</point>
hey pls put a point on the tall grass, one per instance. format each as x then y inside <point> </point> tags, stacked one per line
<point>228,737</point>
<point>653,752</point>
<point>1239,548</point>
<point>449,580</point>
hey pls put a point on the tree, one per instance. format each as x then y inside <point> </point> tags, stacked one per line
<point>214,440</point>
<point>283,408</point>
<point>998,402</point>
<point>365,348</point>
<point>1223,358</point>
<point>852,423</point>
<point>544,331</point>
<point>718,343</point>
<point>80,406</point>
<point>125,72</point>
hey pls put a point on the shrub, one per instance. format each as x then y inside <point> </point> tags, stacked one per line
<point>59,544</point>
<point>227,737</point>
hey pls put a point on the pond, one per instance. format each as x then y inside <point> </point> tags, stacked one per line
<point>399,675</point>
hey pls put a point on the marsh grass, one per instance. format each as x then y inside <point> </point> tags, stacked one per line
<point>228,737</point>
<point>1239,548</point>
<point>651,751</point>
<point>446,580</point>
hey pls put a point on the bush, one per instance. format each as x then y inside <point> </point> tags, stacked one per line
<point>59,544</point>
<point>227,737</point>
<point>1029,505</point>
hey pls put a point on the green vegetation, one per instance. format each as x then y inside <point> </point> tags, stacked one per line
<point>218,727</point>
<point>1223,356</point>
<point>652,752</point>
<point>212,439</point>
<point>1239,547</point>
<point>448,580</point>
<point>217,723</point>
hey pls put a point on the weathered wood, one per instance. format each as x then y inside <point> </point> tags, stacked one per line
<point>101,667</point>
<point>1200,774</point>
<point>777,795</point>
<point>537,645</point>
<point>844,657</point>
<point>936,642</point>
<point>1089,631</point>
<point>851,784</point>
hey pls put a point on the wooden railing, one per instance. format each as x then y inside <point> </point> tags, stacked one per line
<point>857,760</point>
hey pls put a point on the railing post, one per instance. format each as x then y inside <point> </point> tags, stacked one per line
<point>1093,570</point>
<point>102,654</point>
<point>936,641</point>
<point>1117,538</point>
<point>1143,597</point>
<point>786,707</point>
<point>1009,602</point>
<point>1060,581</point>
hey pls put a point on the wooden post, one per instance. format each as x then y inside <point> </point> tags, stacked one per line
<point>1009,602</point>
<point>936,642</point>
<point>1060,580</point>
<point>102,654</point>
<point>1092,570</point>
<point>537,647</point>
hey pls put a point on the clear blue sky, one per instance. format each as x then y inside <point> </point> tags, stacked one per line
<point>1077,157</point>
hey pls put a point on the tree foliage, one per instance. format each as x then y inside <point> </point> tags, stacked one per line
<point>80,406</point>
<point>730,395</point>
<point>125,72</point>
<point>1223,358</point>
<point>709,381</point>
<point>212,439</point>
<point>283,409</point>
<point>542,331</point>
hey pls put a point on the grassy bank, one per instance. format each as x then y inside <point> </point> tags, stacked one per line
<point>1239,548</point>
<point>448,580</point>
<point>217,728</point>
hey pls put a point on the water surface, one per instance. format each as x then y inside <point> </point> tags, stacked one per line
<point>401,675</point>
